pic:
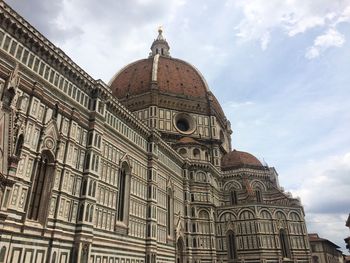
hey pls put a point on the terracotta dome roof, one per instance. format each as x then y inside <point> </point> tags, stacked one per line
<point>174,83</point>
<point>173,76</point>
<point>236,159</point>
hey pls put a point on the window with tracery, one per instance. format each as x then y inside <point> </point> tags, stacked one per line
<point>41,191</point>
<point>121,195</point>
<point>169,212</point>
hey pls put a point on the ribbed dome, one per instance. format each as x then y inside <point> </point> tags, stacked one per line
<point>167,82</point>
<point>236,159</point>
<point>173,76</point>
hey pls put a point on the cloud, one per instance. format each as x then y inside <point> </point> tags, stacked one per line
<point>330,177</point>
<point>332,38</point>
<point>100,37</point>
<point>46,22</point>
<point>292,18</point>
<point>238,104</point>
<point>324,193</point>
<point>329,226</point>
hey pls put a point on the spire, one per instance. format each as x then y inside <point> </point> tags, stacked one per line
<point>160,45</point>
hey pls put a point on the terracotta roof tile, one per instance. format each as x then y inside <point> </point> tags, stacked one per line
<point>236,159</point>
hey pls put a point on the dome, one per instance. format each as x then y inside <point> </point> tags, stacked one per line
<point>173,77</point>
<point>237,159</point>
<point>164,81</point>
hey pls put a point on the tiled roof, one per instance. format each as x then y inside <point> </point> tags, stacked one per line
<point>236,159</point>
<point>174,77</point>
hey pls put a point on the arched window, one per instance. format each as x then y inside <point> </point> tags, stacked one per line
<point>41,191</point>
<point>284,244</point>
<point>196,154</point>
<point>121,195</point>
<point>169,212</point>
<point>122,192</point>
<point>233,197</point>
<point>2,254</point>
<point>231,246</point>
<point>183,152</point>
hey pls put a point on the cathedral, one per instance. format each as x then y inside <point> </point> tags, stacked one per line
<point>139,170</point>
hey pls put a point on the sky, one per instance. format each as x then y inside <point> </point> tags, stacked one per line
<point>280,70</point>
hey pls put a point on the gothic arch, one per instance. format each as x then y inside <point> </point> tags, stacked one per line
<point>223,215</point>
<point>203,214</point>
<point>265,214</point>
<point>293,215</point>
<point>243,214</point>
<point>280,214</point>
<point>50,137</point>
<point>125,161</point>
<point>233,184</point>
<point>257,184</point>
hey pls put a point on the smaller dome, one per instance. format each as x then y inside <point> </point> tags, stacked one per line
<point>237,159</point>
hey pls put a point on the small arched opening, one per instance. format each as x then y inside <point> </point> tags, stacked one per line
<point>183,152</point>
<point>196,153</point>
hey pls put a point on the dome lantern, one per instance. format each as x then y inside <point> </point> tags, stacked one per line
<point>160,45</point>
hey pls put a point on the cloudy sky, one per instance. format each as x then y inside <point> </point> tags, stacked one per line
<point>279,68</point>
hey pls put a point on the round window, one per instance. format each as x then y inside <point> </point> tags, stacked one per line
<point>184,123</point>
